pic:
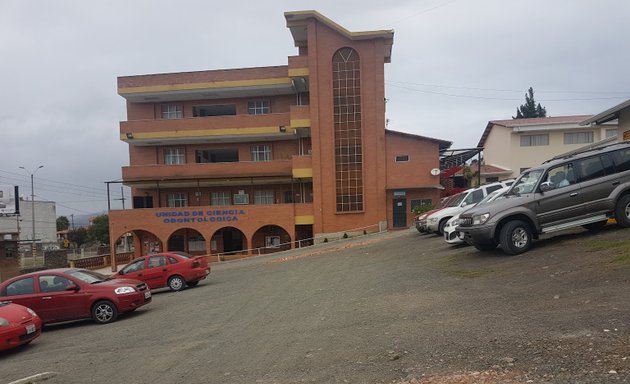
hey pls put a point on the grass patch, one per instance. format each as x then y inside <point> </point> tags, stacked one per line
<point>620,250</point>
<point>469,273</point>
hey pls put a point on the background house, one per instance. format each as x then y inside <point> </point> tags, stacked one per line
<point>515,145</point>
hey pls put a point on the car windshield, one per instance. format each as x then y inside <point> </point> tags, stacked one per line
<point>89,277</point>
<point>456,200</point>
<point>526,182</point>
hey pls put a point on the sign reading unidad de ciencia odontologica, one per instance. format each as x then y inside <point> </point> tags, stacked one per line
<point>209,216</point>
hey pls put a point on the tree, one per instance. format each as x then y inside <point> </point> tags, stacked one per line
<point>530,109</point>
<point>78,236</point>
<point>98,232</point>
<point>62,223</point>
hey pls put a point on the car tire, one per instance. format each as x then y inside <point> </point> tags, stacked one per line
<point>176,283</point>
<point>622,211</point>
<point>192,283</point>
<point>515,237</point>
<point>104,312</point>
<point>595,226</point>
<point>484,247</point>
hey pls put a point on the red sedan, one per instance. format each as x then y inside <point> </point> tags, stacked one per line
<point>18,325</point>
<point>175,270</point>
<point>70,294</point>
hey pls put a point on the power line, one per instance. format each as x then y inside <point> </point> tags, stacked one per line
<point>501,98</point>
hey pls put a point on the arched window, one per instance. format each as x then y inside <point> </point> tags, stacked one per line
<point>347,125</point>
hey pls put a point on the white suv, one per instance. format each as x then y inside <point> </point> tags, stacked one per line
<point>463,201</point>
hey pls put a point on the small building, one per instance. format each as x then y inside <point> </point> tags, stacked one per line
<point>515,145</point>
<point>254,160</point>
<point>619,114</point>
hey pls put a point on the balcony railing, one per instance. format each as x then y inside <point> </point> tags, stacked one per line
<point>208,170</point>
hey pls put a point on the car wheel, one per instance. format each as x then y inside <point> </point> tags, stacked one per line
<point>516,237</point>
<point>192,283</point>
<point>104,312</point>
<point>176,283</point>
<point>622,211</point>
<point>485,246</point>
<point>596,226</point>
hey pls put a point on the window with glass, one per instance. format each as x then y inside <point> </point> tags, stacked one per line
<point>261,152</point>
<point>214,110</point>
<point>258,107</point>
<point>534,140</point>
<point>172,111</point>
<point>173,156</point>
<point>220,198</point>
<point>346,85</point>
<point>611,133</point>
<point>263,197</point>
<point>217,156</point>
<point>578,137</point>
<point>20,287</point>
<point>402,158</point>
<point>175,200</point>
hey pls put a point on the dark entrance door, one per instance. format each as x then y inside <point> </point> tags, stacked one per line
<point>232,241</point>
<point>400,213</point>
<point>176,243</point>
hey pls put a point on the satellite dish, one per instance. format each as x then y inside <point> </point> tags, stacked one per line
<point>435,171</point>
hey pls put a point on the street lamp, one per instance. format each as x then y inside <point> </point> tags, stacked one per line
<point>32,207</point>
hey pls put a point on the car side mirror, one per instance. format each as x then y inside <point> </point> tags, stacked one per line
<point>72,287</point>
<point>546,186</point>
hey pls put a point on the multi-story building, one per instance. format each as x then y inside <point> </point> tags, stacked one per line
<point>257,159</point>
<point>515,145</point>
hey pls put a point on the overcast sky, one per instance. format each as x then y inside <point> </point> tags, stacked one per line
<point>456,64</point>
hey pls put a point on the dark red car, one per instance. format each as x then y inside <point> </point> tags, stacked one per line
<point>70,294</point>
<point>18,325</point>
<point>175,270</point>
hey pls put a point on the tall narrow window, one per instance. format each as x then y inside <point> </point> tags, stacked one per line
<point>263,197</point>
<point>347,127</point>
<point>261,153</point>
<point>174,156</point>
<point>220,198</point>
<point>172,111</point>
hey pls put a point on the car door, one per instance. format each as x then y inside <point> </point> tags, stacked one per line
<point>562,202</point>
<point>22,291</point>
<point>157,271</point>
<point>59,303</point>
<point>134,270</point>
<point>598,179</point>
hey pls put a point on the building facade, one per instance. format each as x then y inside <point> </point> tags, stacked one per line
<point>255,160</point>
<point>515,145</point>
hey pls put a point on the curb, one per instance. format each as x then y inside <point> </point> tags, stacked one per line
<point>35,378</point>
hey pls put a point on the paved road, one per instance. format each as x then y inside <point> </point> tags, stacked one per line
<point>399,307</point>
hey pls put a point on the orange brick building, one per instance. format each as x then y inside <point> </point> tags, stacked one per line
<point>252,160</point>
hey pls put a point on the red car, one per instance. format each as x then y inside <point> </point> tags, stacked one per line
<point>70,294</point>
<point>18,325</point>
<point>175,270</point>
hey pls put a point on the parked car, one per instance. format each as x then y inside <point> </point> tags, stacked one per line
<point>451,234</point>
<point>597,188</point>
<point>175,270</point>
<point>420,221</point>
<point>18,325</point>
<point>464,200</point>
<point>70,294</point>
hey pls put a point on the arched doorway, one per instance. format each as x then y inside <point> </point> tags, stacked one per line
<point>187,240</point>
<point>271,238</point>
<point>228,241</point>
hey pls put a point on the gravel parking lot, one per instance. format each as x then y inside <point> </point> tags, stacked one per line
<point>399,307</point>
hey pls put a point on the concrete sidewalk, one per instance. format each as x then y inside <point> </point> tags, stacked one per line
<point>294,253</point>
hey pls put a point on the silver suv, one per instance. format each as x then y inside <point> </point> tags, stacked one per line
<point>584,189</point>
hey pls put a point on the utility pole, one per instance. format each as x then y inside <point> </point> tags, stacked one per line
<point>32,207</point>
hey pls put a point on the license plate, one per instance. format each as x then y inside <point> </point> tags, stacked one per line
<point>147,294</point>
<point>30,329</point>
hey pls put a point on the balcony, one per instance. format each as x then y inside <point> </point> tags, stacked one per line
<point>271,127</point>
<point>302,167</point>
<point>208,174</point>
